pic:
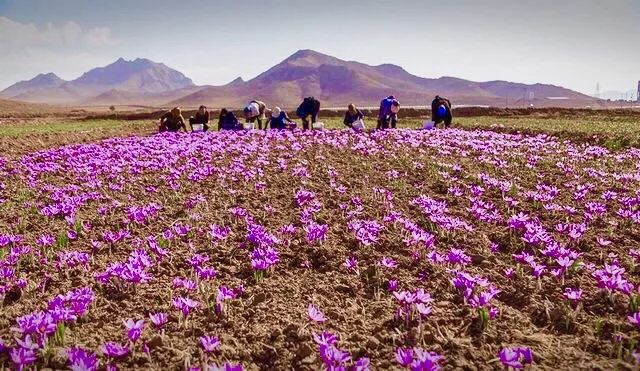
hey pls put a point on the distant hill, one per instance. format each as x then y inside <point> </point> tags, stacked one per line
<point>119,97</point>
<point>337,82</point>
<point>40,82</point>
<point>334,81</point>
<point>140,76</point>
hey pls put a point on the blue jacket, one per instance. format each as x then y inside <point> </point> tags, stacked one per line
<point>385,106</point>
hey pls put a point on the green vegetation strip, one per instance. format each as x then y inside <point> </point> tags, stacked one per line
<point>71,126</point>
<point>613,132</point>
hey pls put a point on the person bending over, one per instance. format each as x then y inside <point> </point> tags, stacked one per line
<point>310,107</point>
<point>172,121</point>
<point>352,115</point>
<point>441,111</point>
<point>255,111</point>
<point>388,114</point>
<point>279,119</point>
<point>227,120</point>
<point>201,118</point>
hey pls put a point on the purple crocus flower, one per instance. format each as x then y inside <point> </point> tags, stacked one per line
<point>509,272</point>
<point>22,357</point>
<point>224,367</point>
<point>393,285</point>
<point>351,264</point>
<point>387,263</point>
<point>635,319</point>
<point>185,305</point>
<point>603,242</point>
<point>325,338</point>
<point>209,343</point>
<point>114,350</point>
<point>404,356</point>
<point>134,329</point>
<point>46,240</point>
<point>315,314</point>
<point>82,360</point>
<point>516,357</point>
<point>316,232</point>
<point>362,364</point>
<point>573,294</point>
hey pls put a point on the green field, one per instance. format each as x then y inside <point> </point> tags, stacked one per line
<point>68,126</point>
<point>613,132</point>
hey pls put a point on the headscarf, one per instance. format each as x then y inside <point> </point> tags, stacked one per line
<point>352,109</point>
<point>176,112</point>
<point>275,113</point>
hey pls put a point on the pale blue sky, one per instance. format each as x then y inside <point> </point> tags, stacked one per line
<point>573,43</point>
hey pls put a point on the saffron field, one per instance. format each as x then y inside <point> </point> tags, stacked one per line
<point>405,249</point>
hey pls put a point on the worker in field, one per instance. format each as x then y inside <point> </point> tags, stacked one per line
<point>172,121</point>
<point>200,119</point>
<point>228,121</point>
<point>388,113</point>
<point>354,116</point>
<point>255,111</point>
<point>308,109</point>
<point>441,111</point>
<point>280,120</point>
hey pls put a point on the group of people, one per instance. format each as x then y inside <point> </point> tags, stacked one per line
<point>256,113</point>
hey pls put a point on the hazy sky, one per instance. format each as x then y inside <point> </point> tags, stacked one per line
<point>573,43</point>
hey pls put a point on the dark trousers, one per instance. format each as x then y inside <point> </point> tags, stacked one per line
<point>387,121</point>
<point>305,121</point>
<point>447,120</point>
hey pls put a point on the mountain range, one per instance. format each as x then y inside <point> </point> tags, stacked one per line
<point>334,81</point>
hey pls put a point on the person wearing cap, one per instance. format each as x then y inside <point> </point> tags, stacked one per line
<point>309,108</point>
<point>441,111</point>
<point>388,113</point>
<point>279,119</point>
<point>201,118</point>
<point>172,121</point>
<point>352,115</point>
<point>255,111</point>
<point>228,121</point>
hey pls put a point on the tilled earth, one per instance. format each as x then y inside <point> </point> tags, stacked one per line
<point>478,179</point>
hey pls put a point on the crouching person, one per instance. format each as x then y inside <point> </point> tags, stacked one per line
<point>172,121</point>
<point>309,108</point>
<point>228,121</point>
<point>280,120</point>
<point>353,116</point>
<point>201,120</point>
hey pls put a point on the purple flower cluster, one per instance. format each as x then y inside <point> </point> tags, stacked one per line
<point>34,329</point>
<point>477,291</point>
<point>412,303</point>
<point>366,231</point>
<point>333,358</point>
<point>417,359</point>
<point>437,212</point>
<point>516,357</point>
<point>316,232</point>
<point>134,270</point>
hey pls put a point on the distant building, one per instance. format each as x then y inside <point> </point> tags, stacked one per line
<point>638,93</point>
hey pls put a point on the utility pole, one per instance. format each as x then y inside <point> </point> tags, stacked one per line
<point>638,93</point>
